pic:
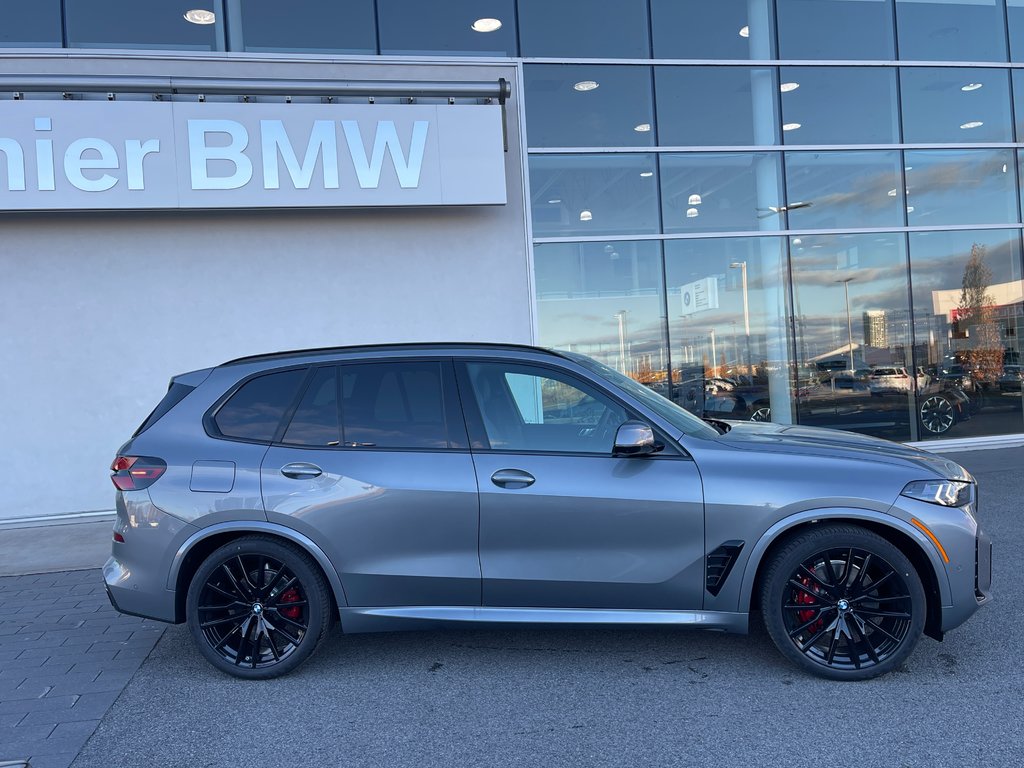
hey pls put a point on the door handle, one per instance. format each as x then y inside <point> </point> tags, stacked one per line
<point>512,478</point>
<point>301,471</point>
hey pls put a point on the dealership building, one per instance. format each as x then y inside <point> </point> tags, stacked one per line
<point>807,211</point>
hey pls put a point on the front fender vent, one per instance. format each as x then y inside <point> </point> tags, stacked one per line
<point>720,563</point>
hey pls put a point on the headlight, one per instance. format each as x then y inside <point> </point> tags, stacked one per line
<point>948,493</point>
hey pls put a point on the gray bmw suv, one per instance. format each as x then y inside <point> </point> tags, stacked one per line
<point>406,486</point>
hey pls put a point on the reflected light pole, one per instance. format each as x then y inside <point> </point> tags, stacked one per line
<point>742,266</point>
<point>849,324</point>
<point>621,317</point>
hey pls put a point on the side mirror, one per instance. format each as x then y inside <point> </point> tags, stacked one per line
<point>635,438</point>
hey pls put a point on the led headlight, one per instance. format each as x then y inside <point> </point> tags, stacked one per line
<point>948,493</point>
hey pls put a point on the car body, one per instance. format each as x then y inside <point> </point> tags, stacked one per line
<point>1012,379</point>
<point>889,379</point>
<point>406,486</point>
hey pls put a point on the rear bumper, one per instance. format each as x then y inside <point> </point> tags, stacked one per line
<point>127,597</point>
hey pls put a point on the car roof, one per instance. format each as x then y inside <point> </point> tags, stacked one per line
<point>418,347</point>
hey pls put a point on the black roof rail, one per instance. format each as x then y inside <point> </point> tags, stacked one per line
<point>411,346</point>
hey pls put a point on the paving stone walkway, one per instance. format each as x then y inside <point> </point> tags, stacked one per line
<point>65,656</point>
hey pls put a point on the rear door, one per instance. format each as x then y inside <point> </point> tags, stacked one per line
<point>374,465</point>
<point>563,523</point>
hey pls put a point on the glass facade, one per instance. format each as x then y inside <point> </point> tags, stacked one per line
<point>807,211</point>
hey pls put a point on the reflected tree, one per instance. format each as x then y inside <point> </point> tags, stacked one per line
<point>976,319</point>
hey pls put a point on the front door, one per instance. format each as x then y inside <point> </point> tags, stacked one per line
<point>563,523</point>
<point>384,484</point>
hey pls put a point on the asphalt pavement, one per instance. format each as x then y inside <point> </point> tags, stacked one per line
<point>595,696</point>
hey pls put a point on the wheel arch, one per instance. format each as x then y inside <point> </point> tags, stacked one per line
<point>900,534</point>
<point>201,544</point>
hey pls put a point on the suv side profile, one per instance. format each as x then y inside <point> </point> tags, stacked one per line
<point>396,487</point>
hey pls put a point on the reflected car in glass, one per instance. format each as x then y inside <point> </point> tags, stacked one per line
<point>411,486</point>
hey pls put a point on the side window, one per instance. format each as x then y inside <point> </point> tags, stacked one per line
<point>316,421</point>
<point>393,405</point>
<point>536,409</point>
<point>255,410</point>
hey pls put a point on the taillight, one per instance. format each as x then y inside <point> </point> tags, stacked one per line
<point>134,473</point>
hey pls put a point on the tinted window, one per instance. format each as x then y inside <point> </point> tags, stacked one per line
<point>531,409</point>
<point>316,419</point>
<point>255,410</point>
<point>393,405</point>
<point>960,186</point>
<point>309,25</point>
<point>723,29</point>
<point>838,105</point>
<point>835,29</point>
<point>830,190</point>
<point>175,394</point>
<point>134,24</point>
<point>451,27</point>
<point>584,28</point>
<point>31,24</point>
<point>955,105</point>
<point>945,30</point>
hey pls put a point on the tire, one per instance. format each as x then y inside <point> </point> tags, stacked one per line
<point>762,412</point>
<point>257,608</point>
<point>843,603</point>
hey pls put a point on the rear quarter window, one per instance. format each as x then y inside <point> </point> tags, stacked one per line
<point>255,410</point>
<point>175,394</point>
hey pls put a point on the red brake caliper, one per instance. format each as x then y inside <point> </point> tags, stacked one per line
<point>292,596</point>
<point>803,598</point>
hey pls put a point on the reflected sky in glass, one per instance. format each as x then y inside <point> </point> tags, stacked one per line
<point>593,194</point>
<point>723,29</point>
<point>322,26</point>
<point>839,105</point>
<point>445,29</point>
<point>584,28</point>
<point>955,105</point>
<point>716,106</point>
<point>837,190</point>
<point>1015,21</point>
<point>604,299</point>
<point>728,191</point>
<point>835,29</point>
<point>30,25</point>
<point>618,112</point>
<point>947,30</point>
<point>961,186</point>
<point>133,24</point>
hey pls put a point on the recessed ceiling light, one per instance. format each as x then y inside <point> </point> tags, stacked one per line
<point>790,126</point>
<point>555,201</point>
<point>744,31</point>
<point>910,209</point>
<point>586,215</point>
<point>486,25</point>
<point>695,199</point>
<point>646,174</point>
<point>585,85</point>
<point>972,124</point>
<point>787,87</point>
<point>797,241</point>
<point>892,193</point>
<point>692,213</point>
<point>971,86</point>
<point>200,16</point>
<point>908,168</point>
<point>643,128</point>
<point>1004,167</point>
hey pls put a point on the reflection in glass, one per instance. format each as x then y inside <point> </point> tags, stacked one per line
<point>131,24</point>
<point>961,186</point>
<point>593,194</point>
<point>448,28</point>
<point>727,327</point>
<point>31,25</point>
<point>724,29</point>
<point>605,300</point>
<point>835,29</point>
<point>721,191</point>
<point>832,190</point>
<point>852,319</point>
<point>584,28</point>
<point>313,26</point>
<point>716,106</point>
<point>1015,21</point>
<point>618,112</point>
<point>955,105</point>
<point>968,320</point>
<point>839,105</point>
<point>951,30</point>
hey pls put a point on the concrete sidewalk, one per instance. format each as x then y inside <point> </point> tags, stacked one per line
<point>64,546</point>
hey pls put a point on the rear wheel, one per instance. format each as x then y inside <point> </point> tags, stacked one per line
<point>257,608</point>
<point>842,602</point>
<point>761,412</point>
<point>937,414</point>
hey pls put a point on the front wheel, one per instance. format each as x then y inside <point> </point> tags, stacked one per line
<point>842,602</point>
<point>937,414</point>
<point>257,608</point>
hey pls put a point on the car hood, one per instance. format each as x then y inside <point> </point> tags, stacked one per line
<point>788,438</point>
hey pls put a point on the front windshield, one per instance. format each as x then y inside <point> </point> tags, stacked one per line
<point>678,417</point>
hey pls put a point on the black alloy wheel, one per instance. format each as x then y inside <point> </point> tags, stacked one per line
<point>843,603</point>
<point>937,414</point>
<point>761,412</point>
<point>257,608</point>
